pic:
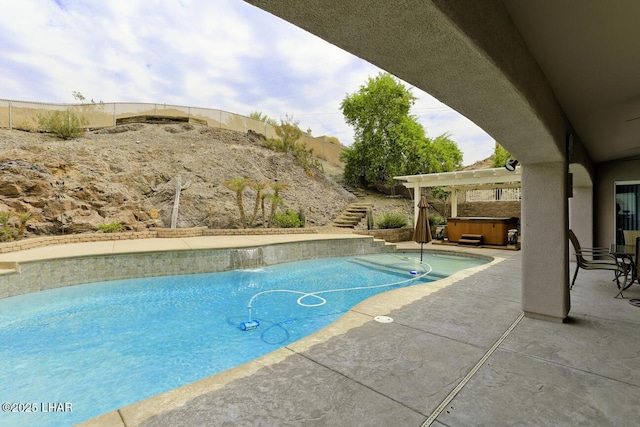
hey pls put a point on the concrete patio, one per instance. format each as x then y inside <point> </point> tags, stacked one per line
<point>459,355</point>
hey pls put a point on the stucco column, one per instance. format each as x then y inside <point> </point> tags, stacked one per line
<point>545,271</point>
<point>581,216</point>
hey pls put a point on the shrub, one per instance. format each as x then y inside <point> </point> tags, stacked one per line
<point>392,220</point>
<point>64,124</point>
<point>288,219</point>
<point>112,227</point>
<point>28,125</point>
<point>274,144</point>
<point>9,231</point>
<point>304,155</point>
<point>306,158</point>
<point>436,219</point>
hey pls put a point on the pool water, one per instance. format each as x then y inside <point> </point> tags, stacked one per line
<point>94,348</point>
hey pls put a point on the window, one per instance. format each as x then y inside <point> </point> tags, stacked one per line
<point>627,208</point>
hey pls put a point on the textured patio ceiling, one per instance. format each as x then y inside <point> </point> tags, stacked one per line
<point>525,71</point>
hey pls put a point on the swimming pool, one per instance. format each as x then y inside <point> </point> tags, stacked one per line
<point>101,346</point>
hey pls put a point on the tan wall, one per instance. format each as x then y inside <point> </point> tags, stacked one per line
<point>324,150</point>
<point>24,115</point>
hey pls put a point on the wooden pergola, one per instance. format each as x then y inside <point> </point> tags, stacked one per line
<point>481,179</point>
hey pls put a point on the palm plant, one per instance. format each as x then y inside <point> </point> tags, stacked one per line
<point>238,185</point>
<point>276,200</point>
<point>258,186</point>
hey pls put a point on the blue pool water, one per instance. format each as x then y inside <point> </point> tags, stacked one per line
<point>97,347</point>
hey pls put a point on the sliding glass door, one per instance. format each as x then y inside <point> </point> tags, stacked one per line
<point>627,209</point>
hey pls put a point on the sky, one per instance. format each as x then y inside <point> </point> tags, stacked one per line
<point>220,54</point>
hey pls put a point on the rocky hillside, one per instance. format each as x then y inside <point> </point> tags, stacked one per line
<point>128,174</point>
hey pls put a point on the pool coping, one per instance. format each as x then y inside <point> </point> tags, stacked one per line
<point>57,266</point>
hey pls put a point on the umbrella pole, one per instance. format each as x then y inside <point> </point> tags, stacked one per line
<point>421,252</point>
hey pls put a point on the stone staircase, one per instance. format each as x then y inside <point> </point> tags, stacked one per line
<point>360,194</point>
<point>351,216</point>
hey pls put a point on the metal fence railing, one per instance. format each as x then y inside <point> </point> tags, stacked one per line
<point>494,195</point>
<point>23,115</point>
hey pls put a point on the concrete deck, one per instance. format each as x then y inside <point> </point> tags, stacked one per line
<point>458,353</point>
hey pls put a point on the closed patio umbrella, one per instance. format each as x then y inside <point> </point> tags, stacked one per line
<point>422,231</point>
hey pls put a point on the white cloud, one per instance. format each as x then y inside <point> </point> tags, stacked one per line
<point>224,54</point>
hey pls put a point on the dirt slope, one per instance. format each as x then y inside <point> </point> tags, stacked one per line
<point>128,174</point>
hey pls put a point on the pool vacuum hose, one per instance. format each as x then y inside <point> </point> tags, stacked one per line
<point>253,324</point>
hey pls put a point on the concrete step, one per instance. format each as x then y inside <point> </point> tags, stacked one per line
<point>352,215</point>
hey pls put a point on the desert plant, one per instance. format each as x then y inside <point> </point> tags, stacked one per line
<point>392,220</point>
<point>289,133</point>
<point>238,185</point>
<point>28,125</point>
<point>8,230</point>
<point>306,158</point>
<point>258,187</point>
<point>276,200</point>
<point>257,115</point>
<point>64,124</point>
<point>273,144</point>
<point>6,233</point>
<point>111,227</point>
<point>288,219</point>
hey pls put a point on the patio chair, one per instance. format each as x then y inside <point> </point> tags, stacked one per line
<point>630,236</point>
<point>597,259</point>
<point>637,261</point>
<point>636,275</point>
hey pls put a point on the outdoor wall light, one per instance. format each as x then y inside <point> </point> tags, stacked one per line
<point>511,165</point>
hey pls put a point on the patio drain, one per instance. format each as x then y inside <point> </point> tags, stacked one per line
<point>383,319</point>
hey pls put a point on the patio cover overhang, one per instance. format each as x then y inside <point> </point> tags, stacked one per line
<point>481,179</point>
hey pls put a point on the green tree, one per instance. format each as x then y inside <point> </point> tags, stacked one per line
<point>388,141</point>
<point>445,156</point>
<point>377,112</point>
<point>500,156</point>
<point>416,145</point>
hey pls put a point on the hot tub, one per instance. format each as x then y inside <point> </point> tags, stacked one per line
<point>494,231</point>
